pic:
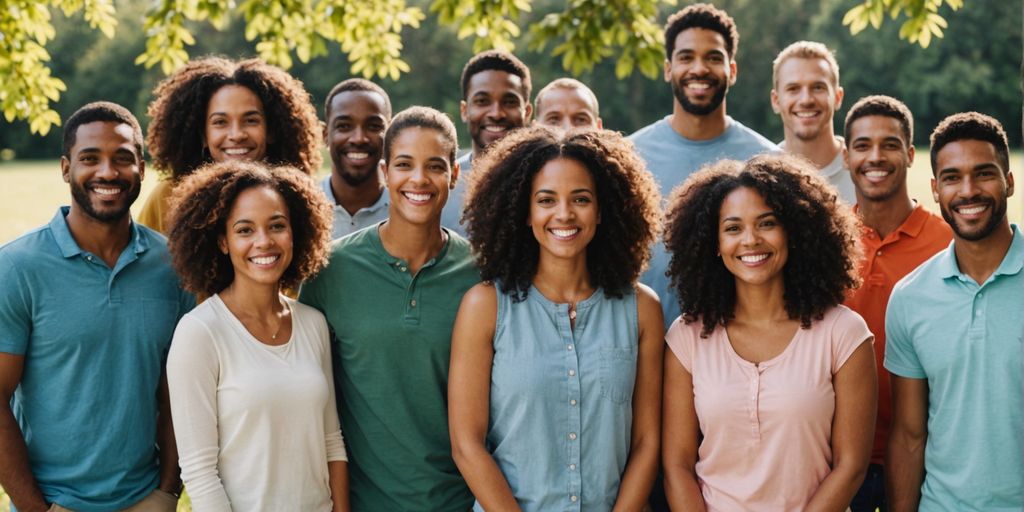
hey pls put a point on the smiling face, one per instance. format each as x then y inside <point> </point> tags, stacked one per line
<point>258,236</point>
<point>355,134</point>
<point>419,176</point>
<point>104,171</point>
<point>563,209</point>
<point>494,106</point>
<point>751,239</point>
<point>878,158</point>
<point>566,109</point>
<point>971,188</point>
<point>236,126</point>
<point>700,71</point>
<point>806,97</point>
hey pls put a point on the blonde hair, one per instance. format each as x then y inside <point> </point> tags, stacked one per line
<point>806,50</point>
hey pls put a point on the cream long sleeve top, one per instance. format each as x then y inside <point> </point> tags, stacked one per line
<point>255,424</point>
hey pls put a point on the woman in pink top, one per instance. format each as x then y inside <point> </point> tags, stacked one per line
<point>769,402</point>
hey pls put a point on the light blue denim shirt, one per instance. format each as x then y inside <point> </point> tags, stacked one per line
<point>562,399</point>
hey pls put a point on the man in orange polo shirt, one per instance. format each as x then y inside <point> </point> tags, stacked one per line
<point>899,234</point>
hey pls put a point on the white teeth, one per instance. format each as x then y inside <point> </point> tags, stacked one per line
<point>264,260</point>
<point>236,151</point>
<point>494,128</point>
<point>417,197</point>
<point>565,233</point>
<point>972,210</point>
<point>357,156</point>
<point>876,174</point>
<point>698,86</point>
<point>754,258</point>
<point>106,191</point>
<point>806,114</point>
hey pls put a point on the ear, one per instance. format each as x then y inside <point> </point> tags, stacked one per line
<point>384,169</point>
<point>455,176</point>
<point>935,191</point>
<point>142,169</point>
<point>323,129</point>
<point>1009,184</point>
<point>839,96</point>
<point>668,71</point>
<point>65,169</point>
<point>775,101</point>
<point>846,157</point>
<point>529,112</point>
<point>222,243</point>
<point>462,111</point>
<point>600,124</point>
<point>910,155</point>
<point>733,71</point>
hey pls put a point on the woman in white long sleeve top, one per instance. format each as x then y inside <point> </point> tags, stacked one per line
<point>249,369</point>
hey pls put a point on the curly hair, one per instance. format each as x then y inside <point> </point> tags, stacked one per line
<point>178,113</point>
<point>822,232</point>
<point>970,126</point>
<point>200,207</point>
<point>704,16</point>
<point>498,206</point>
<point>496,60</point>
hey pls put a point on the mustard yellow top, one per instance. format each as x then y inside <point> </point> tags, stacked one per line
<point>154,212</point>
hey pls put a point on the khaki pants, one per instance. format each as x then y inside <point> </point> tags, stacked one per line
<point>156,501</point>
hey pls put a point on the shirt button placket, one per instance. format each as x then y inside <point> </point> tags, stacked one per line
<point>572,363</point>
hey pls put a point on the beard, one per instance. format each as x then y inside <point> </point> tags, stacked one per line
<point>679,91</point>
<point>108,216</point>
<point>998,209</point>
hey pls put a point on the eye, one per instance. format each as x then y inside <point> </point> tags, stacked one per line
<point>481,101</point>
<point>731,228</point>
<point>949,178</point>
<point>582,200</point>
<point>546,200</point>
<point>343,127</point>
<point>769,223</point>
<point>220,121</point>
<point>439,168</point>
<point>243,230</point>
<point>715,58</point>
<point>512,102</point>
<point>376,128</point>
<point>279,226</point>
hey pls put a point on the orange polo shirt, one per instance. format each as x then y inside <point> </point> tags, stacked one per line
<point>885,262</point>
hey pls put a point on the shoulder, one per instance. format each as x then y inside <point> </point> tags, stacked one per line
<point>643,134</point>
<point>843,319</point>
<point>740,134</point>
<point>27,246</point>
<point>923,278</point>
<point>482,296</point>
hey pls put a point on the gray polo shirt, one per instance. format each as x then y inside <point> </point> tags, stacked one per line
<point>344,223</point>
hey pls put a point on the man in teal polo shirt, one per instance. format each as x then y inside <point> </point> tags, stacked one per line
<point>954,331</point>
<point>390,294</point>
<point>88,304</point>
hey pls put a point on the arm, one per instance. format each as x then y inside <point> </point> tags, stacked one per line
<point>337,479</point>
<point>469,390</point>
<point>645,444</point>
<point>337,459</point>
<point>853,428</point>
<point>904,462</point>
<point>170,473</point>
<point>15,474</point>
<point>680,429</point>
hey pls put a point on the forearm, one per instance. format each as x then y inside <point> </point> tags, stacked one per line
<point>682,490</point>
<point>15,475</point>
<point>904,472</point>
<point>337,478</point>
<point>638,478</point>
<point>838,488</point>
<point>170,472</point>
<point>484,478</point>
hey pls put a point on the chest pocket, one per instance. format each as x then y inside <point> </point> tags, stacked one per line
<point>617,374</point>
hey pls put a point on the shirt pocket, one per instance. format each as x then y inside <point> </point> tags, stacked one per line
<point>617,374</point>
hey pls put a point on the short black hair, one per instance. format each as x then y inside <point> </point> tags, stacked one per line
<point>103,111</point>
<point>702,16</point>
<point>356,84</point>
<point>885,106</point>
<point>497,60</point>
<point>421,117</point>
<point>971,126</point>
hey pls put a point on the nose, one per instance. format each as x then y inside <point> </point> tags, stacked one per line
<point>496,111</point>
<point>359,135</point>
<point>750,237</point>
<point>967,187</point>
<point>418,175</point>
<point>236,132</point>
<point>564,211</point>
<point>106,170</point>
<point>566,125</point>
<point>699,66</point>
<point>875,155</point>
<point>804,96</point>
<point>263,239</point>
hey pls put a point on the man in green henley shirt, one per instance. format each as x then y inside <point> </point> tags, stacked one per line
<point>390,294</point>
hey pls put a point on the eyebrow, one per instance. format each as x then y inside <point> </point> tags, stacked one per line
<point>979,167</point>
<point>576,191</point>
<point>247,113</point>
<point>759,217</point>
<point>276,216</point>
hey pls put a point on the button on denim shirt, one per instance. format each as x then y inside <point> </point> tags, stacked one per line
<point>562,400</point>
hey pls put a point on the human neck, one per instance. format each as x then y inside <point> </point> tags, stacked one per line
<point>761,304</point>
<point>887,215</point>
<point>821,150</point>
<point>245,298</point>
<point>416,244</point>
<point>355,198</point>
<point>980,259</point>
<point>563,281</point>
<point>104,239</point>
<point>696,127</point>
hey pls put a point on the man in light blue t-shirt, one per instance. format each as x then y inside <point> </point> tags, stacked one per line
<point>954,333</point>
<point>700,48</point>
<point>88,304</point>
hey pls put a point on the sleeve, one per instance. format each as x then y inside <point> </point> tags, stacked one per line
<point>332,427</point>
<point>154,210</point>
<point>15,309</point>
<point>680,339</point>
<point>900,356</point>
<point>849,331</point>
<point>193,374</point>
<point>310,293</point>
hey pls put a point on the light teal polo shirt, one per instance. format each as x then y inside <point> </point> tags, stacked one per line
<point>95,341</point>
<point>391,343</point>
<point>966,340</point>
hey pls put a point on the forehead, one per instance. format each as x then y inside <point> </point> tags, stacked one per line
<point>566,172</point>
<point>966,154</point>
<point>421,142</point>
<point>234,96</point>
<point>104,135</point>
<point>565,100</point>
<point>875,127</point>
<point>495,83</point>
<point>700,40</point>
<point>743,200</point>
<point>357,104</point>
<point>799,69</point>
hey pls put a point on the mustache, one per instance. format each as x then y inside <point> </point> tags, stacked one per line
<point>110,183</point>
<point>978,199</point>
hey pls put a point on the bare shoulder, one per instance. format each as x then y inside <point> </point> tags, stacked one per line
<point>481,297</point>
<point>648,308</point>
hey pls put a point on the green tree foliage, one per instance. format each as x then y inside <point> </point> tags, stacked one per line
<point>582,33</point>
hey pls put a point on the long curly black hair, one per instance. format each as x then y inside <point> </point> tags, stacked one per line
<point>823,237</point>
<point>498,206</point>
<point>200,207</point>
<point>178,113</point>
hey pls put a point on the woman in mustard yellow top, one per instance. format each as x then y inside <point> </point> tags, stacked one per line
<point>214,109</point>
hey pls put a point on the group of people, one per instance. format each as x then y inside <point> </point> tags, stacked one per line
<point>528,326</point>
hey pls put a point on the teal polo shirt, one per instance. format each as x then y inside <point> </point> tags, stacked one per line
<point>966,340</point>
<point>391,346</point>
<point>95,340</point>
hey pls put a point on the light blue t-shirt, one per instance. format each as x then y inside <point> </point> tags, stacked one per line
<point>672,158</point>
<point>345,224</point>
<point>453,208</point>
<point>95,341</point>
<point>966,340</point>
<point>561,402</point>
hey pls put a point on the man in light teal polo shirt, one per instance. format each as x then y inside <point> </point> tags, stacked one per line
<point>954,330</point>
<point>88,304</point>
